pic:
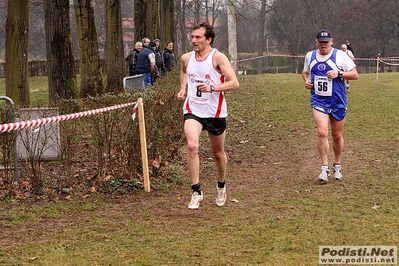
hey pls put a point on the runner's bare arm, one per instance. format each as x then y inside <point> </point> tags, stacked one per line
<point>183,77</point>
<point>306,78</point>
<point>351,74</point>
<point>222,63</point>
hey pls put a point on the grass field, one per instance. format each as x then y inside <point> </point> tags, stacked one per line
<point>38,87</point>
<point>276,214</point>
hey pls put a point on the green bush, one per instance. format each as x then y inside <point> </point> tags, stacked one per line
<point>99,146</point>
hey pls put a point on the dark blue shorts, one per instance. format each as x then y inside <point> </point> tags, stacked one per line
<point>338,114</point>
<point>215,126</point>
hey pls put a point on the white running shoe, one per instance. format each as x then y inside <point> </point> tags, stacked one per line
<point>324,173</point>
<point>337,172</point>
<point>221,196</point>
<point>195,200</point>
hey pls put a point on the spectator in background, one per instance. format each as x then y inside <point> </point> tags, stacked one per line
<point>158,60</point>
<point>350,48</point>
<point>133,56</point>
<point>350,54</point>
<point>145,41</point>
<point>146,63</point>
<point>169,58</point>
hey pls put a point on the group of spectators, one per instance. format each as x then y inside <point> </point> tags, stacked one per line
<point>149,60</point>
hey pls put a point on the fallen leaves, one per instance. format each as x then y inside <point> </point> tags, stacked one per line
<point>375,207</point>
<point>32,259</point>
<point>157,162</point>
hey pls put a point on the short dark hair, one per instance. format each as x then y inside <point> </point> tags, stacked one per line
<point>209,31</point>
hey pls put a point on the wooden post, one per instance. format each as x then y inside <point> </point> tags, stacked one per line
<point>143,141</point>
<point>378,65</point>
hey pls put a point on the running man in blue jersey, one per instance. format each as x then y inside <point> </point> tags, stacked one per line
<point>324,72</point>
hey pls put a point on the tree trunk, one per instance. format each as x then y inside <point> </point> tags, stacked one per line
<point>397,27</point>
<point>262,19</point>
<point>181,15</point>
<point>207,9</point>
<point>114,47</point>
<point>167,20</point>
<point>197,16</point>
<point>146,19</point>
<point>90,68</point>
<point>17,33</point>
<point>232,33</point>
<point>60,59</point>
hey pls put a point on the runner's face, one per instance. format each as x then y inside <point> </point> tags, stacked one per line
<point>324,47</point>
<point>198,40</point>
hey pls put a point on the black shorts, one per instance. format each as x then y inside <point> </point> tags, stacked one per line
<point>215,126</point>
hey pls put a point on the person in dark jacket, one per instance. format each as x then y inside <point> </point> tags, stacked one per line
<point>158,61</point>
<point>146,63</point>
<point>349,47</point>
<point>169,58</point>
<point>145,42</point>
<point>133,56</point>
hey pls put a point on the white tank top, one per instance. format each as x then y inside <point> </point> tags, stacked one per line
<point>204,105</point>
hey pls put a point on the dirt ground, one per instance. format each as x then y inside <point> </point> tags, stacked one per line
<point>241,184</point>
<point>249,176</point>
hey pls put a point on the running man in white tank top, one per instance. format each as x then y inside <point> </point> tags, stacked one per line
<point>205,75</point>
<point>350,54</point>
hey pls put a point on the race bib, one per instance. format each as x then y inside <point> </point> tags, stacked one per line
<point>323,86</point>
<point>199,96</point>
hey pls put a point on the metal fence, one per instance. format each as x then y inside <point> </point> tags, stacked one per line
<point>275,63</point>
<point>8,148</point>
<point>133,82</point>
<point>271,63</point>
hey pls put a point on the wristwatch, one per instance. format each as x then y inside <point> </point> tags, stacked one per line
<point>212,88</point>
<point>340,73</point>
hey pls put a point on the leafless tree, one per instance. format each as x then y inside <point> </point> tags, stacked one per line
<point>262,20</point>
<point>146,19</point>
<point>91,73</point>
<point>60,59</point>
<point>232,33</point>
<point>167,20</point>
<point>17,28</point>
<point>114,47</point>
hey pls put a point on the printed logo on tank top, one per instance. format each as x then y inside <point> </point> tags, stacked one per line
<point>193,80</point>
<point>206,81</point>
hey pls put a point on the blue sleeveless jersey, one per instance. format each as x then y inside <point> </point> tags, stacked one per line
<point>338,97</point>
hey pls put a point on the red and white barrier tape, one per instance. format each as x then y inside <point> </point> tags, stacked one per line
<point>263,56</point>
<point>134,111</point>
<point>389,64</point>
<point>48,120</point>
<point>303,56</point>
